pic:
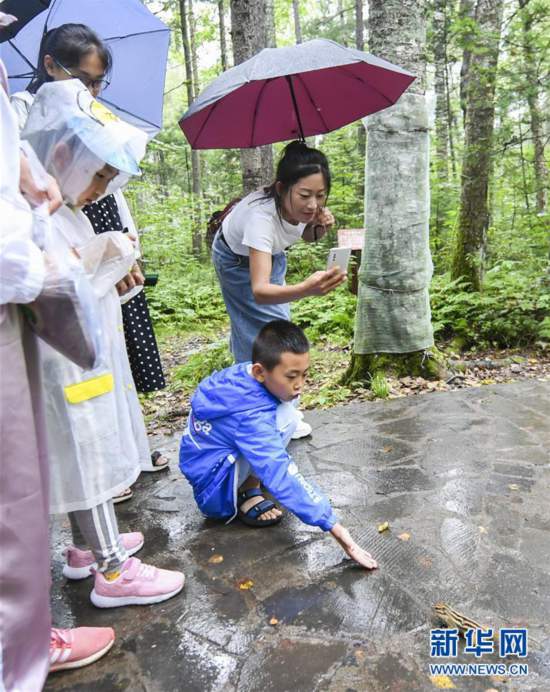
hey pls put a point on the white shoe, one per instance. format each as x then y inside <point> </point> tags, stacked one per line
<point>303,429</point>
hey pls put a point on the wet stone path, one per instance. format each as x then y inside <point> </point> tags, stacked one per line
<point>463,478</point>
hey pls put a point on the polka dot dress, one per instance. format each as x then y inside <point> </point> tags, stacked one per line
<point>141,344</point>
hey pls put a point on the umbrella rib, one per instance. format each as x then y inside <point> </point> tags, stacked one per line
<point>123,110</point>
<point>199,133</point>
<point>50,10</point>
<point>137,33</point>
<point>29,63</point>
<point>257,105</point>
<point>310,97</point>
<point>360,79</point>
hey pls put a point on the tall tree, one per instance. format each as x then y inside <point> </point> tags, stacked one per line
<point>532,80</point>
<point>191,93</point>
<point>469,253</point>
<point>393,324</point>
<point>297,24</point>
<point>440,199</point>
<point>359,26</point>
<point>223,41</point>
<point>190,89</point>
<point>250,34</point>
<point>466,18</point>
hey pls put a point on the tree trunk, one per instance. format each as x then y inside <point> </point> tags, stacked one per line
<point>361,132</point>
<point>223,41</point>
<point>195,159</point>
<point>271,38</point>
<point>466,12</point>
<point>297,25</point>
<point>393,308</point>
<point>473,219</point>
<point>250,34</point>
<point>440,199</point>
<point>359,26</point>
<point>532,79</point>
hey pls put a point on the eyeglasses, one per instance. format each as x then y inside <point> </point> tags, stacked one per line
<point>89,83</point>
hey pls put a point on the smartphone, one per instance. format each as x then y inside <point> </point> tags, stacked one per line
<point>339,257</point>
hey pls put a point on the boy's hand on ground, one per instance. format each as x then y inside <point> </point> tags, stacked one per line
<point>354,551</point>
<point>321,283</point>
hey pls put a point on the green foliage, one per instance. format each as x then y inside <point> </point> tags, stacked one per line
<point>328,318</point>
<point>511,310</point>
<point>379,386</point>
<point>203,364</point>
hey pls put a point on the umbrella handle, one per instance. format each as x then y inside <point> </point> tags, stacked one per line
<point>294,103</point>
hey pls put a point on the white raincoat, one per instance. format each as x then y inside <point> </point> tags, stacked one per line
<point>96,434</point>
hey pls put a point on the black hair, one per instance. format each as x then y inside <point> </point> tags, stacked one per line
<point>297,161</point>
<point>275,338</point>
<point>68,44</point>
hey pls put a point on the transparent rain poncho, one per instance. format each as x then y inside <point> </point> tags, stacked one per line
<point>74,136</point>
<point>96,435</point>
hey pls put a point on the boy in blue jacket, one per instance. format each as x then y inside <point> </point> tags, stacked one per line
<point>240,423</point>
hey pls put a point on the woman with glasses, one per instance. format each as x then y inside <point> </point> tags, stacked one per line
<point>74,51</point>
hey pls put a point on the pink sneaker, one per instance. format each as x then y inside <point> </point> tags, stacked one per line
<point>137,584</point>
<point>80,563</point>
<point>78,647</point>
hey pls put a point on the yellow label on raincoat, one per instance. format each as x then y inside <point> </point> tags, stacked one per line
<point>82,391</point>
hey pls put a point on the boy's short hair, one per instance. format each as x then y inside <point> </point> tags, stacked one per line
<point>276,338</point>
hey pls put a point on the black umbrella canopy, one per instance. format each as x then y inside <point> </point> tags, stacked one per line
<point>24,10</point>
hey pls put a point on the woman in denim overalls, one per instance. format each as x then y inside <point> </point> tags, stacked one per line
<point>249,249</point>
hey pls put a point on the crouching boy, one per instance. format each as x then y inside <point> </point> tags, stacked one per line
<point>240,423</point>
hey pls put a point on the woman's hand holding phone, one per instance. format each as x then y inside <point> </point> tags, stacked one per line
<point>323,282</point>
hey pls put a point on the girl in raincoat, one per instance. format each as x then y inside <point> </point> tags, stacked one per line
<point>96,434</point>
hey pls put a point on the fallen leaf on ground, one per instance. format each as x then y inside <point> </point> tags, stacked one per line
<point>383,527</point>
<point>273,621</point>
<point>404,536</point>
<point>444,682</point>
<point>246,584</point>
<point>387,449</point>
<point>215,559</point>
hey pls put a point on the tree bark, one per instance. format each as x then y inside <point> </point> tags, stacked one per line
<point>469,253</point>
<point>297,25</point>
<point>223,41</point>
<point>466,12</point>
<point>190,88</point>
<point>249,32</point>
<point>361,132</point>
<point>440,198</point>
<point>440,61</point>
<point>535,112</point>
<point>393,309</point>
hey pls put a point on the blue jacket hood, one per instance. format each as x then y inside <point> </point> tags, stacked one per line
<point>230,391</point>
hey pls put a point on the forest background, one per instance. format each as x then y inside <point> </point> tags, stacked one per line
<point>490,291</point>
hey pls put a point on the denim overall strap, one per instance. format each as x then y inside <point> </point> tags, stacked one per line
<point>246,315</point>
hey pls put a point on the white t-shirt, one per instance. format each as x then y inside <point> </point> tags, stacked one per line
<point>254,222</point>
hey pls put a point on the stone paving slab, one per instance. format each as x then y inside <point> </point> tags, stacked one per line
<point>466,474</point>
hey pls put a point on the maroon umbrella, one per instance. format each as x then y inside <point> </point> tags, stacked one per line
<point>291,92</point>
